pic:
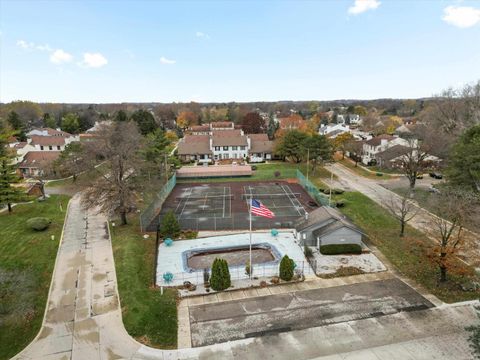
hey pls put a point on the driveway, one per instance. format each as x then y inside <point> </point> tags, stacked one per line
<point>232,320</point>
<point>383,196</point>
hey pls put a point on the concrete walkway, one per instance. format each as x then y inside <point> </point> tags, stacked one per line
<point>83,318</point>
<point>383,196</point>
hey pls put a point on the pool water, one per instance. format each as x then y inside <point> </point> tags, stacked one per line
<point>234,257</point>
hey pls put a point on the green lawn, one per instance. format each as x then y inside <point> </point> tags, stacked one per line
<point>27,258</point>
<point>406,254</point>
<point>148,316</point>
<point>267,172</point>
<point>359,170</point>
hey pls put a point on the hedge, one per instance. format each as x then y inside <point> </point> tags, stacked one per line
<point>336,249</point>
<point>287,266</point>
<point>38,223</point>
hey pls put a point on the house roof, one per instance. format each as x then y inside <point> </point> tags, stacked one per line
<point>20,145</point>
<point>377,140</point>
<point>229,140</point>
<point>261,146</point>
<point>335,132</point>
<point>199,128</point>
<point>52,132</point>
<point>393,152</point>
<point>33,159</point>
<point>221,124</point>
<point>260,137</point>
<point>226,133</point>
<point>403,129</point>
<point>47,140</point>
<point>194,144</point>
<point>323,214</point>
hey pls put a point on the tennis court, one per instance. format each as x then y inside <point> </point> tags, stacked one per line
<point>224,206</point>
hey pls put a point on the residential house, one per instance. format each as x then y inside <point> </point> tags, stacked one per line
<point>35,163</point>
<point>291,122</point>
<point>41,140</point>
<point>393,157</point>
<point>333,130</point>
<point>378,144</point>
<point>327,226</point>
<point>223,144</point>
<point>352,119</point>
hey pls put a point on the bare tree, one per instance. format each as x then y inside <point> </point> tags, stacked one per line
<point>448,230</point>
<point>116,188</point>
<point>414,161</point>
<point>403,209</point>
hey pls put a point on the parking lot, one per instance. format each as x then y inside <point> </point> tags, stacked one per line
<point>260,316</point>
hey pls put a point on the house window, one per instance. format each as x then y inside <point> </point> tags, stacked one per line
<point>242,147</point>
<point>217,148</point>
<point>234,147</point>
<point>225,156</point>
<point>225,148</point>
<point>58,147</point>
<point>50,148</point>
<point>41,147</point>
<point>304,236</point>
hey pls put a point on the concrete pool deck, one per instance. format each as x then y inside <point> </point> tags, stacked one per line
<point>170,258</point>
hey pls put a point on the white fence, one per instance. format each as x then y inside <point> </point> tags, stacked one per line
<point>236,273</point>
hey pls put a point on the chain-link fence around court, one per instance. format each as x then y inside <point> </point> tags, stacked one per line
<point>233,216</point>
<point>151,212</point>
<point>311,189</point>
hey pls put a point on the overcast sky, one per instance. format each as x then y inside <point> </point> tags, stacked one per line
<point>126,51</point>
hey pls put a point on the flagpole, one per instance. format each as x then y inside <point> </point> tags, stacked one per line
<point>250,249</point>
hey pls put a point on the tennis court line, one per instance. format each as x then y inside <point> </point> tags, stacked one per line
<point>291,200</point>
<point>186,201</point>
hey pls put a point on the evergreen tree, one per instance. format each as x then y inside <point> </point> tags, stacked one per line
<point>226,275</point>
<point>272,127</point>
<point>70,123</point>
<point>170,227</point>
<point>8,193</point>
<point>286,268</point>
<point>220,275</point>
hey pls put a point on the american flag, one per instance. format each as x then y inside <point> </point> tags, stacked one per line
<point>259,209</point>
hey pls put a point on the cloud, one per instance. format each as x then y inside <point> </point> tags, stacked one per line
<point>202,35</point>
<point>93,60</point>
<point>32,46</point>
<point>59,57</point>
<point>461,16</point>
<point>361,6</point>
<point>166,61</point>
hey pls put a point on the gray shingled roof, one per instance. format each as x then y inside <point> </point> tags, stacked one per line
<point>194,144</point>
<point>323,214</point>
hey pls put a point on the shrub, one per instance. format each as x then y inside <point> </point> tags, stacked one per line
<point>247,268</point>
<point>220,275</point>
<point>286,268</point>
<point>170,227</point>
<point>277,174</point>
<point>38,223</point>
<point>307,251</point>
<point>338,191</point>
<point>379,174</point>
<point>340,203</point>
<point>336,249</point>
<point>254,167</point>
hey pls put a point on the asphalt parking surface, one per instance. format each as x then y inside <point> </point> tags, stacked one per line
<point>268,315</point>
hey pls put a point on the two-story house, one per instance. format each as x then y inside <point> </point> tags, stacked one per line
<point>225,144</point>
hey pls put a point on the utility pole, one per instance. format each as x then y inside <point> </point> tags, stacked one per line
<point>308,161</point>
